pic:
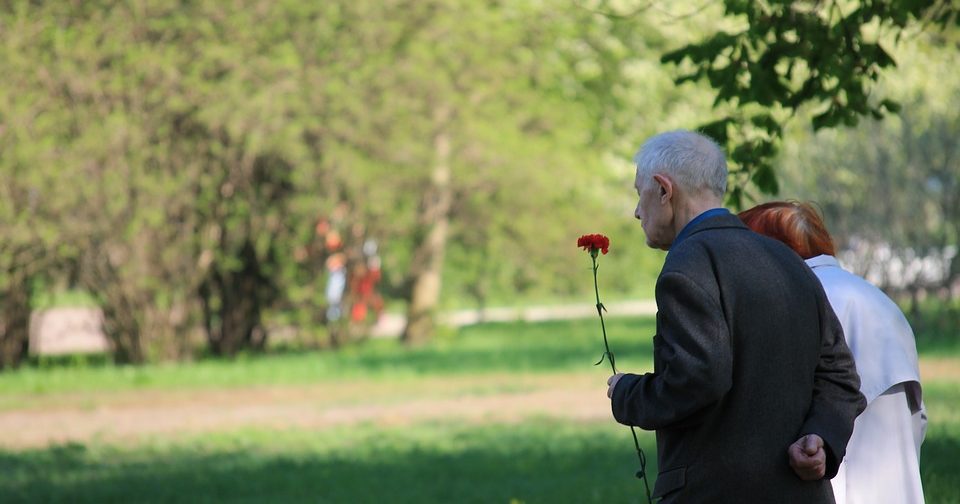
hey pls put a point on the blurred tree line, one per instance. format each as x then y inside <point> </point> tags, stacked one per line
<point>890,190</point>
<point>174,159</point>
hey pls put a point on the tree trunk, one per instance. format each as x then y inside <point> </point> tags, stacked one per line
<point>15,323</point>
<point>232,306</point>
<point>122,328</point>
<point>434,220</point>
<point>119,301</point>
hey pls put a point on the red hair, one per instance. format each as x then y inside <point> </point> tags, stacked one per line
<point>798,225</point>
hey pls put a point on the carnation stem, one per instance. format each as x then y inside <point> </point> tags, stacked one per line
<point>642,473</point>
<point>596,290</point>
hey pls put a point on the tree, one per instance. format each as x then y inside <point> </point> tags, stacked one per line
<point>34,199</point>
<point>474,119</point>
<point>496,117</point>
<point>169,179</point>
<point>890,190</point>
<point>787,54</point>
<point>196,148</point>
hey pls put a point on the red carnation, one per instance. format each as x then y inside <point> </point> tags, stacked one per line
<point>593,242</point>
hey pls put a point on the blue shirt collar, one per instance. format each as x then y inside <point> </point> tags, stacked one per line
<point>685,232</point>
<point>823,260</point>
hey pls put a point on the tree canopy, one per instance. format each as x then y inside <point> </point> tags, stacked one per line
<point>785,55</point>
<point>177,161</point>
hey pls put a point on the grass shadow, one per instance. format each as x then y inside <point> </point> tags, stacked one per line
<point>529,463</point>
<point>940,468</point>
<point>538,461</point>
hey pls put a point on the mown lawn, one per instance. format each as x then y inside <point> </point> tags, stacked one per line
<point>487,348</point>
<point>533,460</point>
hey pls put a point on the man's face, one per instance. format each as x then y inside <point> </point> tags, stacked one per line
<point>654,212</point>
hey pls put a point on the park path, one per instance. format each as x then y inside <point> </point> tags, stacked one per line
<point>38,421</point>
<point>488,398</point>
<point>128,416</point>
<point>82,417</point>
<point>77,330</point>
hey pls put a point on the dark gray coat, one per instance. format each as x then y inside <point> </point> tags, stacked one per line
<point>748,357</point>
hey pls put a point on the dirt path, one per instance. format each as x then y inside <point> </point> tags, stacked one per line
<point>85,417</point>
<point>127,416</point>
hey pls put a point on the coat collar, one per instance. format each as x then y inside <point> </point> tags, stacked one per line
<point>685,232</point>
<point>721,221</point>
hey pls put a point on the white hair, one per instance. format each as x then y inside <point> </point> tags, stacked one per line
<point>692,159</point>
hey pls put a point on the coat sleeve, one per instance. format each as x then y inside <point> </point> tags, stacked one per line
<point>836,391</point>
<point>692,355</point>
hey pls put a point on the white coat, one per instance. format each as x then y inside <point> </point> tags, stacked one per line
<point>882,463</point>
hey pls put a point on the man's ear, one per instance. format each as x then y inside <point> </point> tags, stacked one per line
<point>665,189</point>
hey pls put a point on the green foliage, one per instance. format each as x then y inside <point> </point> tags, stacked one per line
<point>935,325</point>
<point>895,184</point>
<point>173,160</point>
<point>785,55</point>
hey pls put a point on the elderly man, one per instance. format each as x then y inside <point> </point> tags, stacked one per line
<point>753,392</point>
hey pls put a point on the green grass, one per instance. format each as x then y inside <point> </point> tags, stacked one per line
<point>535,460</point>
<point>940,453</point>
<point>487,348</point>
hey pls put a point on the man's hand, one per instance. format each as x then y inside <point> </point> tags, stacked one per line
<point>808,458</point>
<point>612,382</point>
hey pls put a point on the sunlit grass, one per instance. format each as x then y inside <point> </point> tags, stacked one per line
<point>536,461</point>
<point>533,460</point>
<point>486,348</point>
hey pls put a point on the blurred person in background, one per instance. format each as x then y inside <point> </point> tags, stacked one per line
<point>336,283</point>
<point>366,276</point>
<point>883,455</point>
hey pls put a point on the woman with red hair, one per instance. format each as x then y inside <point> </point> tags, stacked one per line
<point>882,460</point>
